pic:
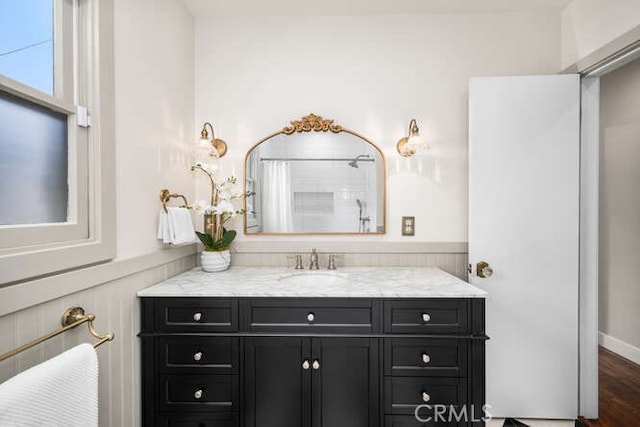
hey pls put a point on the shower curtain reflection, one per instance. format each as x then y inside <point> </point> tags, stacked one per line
<point>277,212</point>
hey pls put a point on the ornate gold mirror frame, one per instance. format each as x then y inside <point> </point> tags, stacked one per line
<point>315,123</point>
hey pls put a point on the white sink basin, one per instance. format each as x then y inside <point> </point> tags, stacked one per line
<point>314,279</point>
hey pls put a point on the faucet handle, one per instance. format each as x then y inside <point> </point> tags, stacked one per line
<point>313,259</point>
<point>332,262</point>
<point>299,262</point>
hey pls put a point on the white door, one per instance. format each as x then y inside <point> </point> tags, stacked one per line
<point>524,154</point>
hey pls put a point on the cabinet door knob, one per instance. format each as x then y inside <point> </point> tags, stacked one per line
<point>305,365</point>
<point>311,317</point>
<point>316,364</point>
<point>426,317</point>
<point>425,396</point>
<point>198,394</point>
<point>197,316</point>
<point>426,358</point>
<point>197,356</point>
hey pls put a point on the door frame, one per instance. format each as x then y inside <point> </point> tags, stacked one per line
<point>589,224</point>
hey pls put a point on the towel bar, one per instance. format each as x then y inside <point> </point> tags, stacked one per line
<point>71,318</point>
<point>165,196</point>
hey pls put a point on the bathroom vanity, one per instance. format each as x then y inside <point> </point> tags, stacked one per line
<point>269,347</point>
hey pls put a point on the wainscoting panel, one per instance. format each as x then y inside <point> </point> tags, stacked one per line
<point>451,257</point>
<point>117,310</point>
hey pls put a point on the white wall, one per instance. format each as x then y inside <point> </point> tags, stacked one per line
<point>372,74</point>
<point>619,296</point>
<point>589,25</point>
<point>154,73</point>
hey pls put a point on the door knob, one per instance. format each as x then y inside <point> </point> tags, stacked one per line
<point>483,269</point>
<point>198,394</point>
<point>197,316</point>
<point>198,356</point>
<point>316,364</point>
<point>305,365</point>
<point>311,317</point>
<point>425,396</point>
<point>426,358</point>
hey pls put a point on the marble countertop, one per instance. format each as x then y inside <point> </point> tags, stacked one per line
<point>350,282</point>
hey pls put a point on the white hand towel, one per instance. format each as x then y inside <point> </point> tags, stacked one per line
<point>175,226</point>
<point>63,391</point>
<point>163,227</point>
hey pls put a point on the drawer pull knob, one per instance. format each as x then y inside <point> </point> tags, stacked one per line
<point>426,358</point>
<point>311,317</point>
<point>198,394</point>
<point>305,365</point>
<point>426,317</point>
<point>198,356</point>
<point>425,396</point>
<point>316,365</point>
<point>197,316</point>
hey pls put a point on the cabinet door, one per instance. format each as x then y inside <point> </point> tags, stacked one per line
<point>345,382</point>
<point>277,384</point>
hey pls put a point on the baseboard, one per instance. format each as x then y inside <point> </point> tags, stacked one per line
<point>621,348</point>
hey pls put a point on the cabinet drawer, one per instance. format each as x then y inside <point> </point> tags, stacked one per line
<point>404,394</point>
<point>425,357</point>
<point>203,420</point>
<point>430,420</point>
<point>311,316</point>
<point>203,354</point>
<point>428,316</point>
<point>199,392</point>
<point>197,314</point>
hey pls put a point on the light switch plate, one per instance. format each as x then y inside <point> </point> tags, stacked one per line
<point>408,225</point>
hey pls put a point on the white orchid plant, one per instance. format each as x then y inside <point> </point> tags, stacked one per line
<point>219,210</point>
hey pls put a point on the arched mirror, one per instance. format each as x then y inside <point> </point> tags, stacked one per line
<point>315,177</point>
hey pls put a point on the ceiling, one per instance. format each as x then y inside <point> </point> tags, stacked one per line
<point>204,8</point>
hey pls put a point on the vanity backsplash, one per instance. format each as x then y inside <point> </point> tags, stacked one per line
<point>450,257</point>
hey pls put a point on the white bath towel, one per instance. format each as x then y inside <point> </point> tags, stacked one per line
<point>175,226</point>
<point>63,391</point>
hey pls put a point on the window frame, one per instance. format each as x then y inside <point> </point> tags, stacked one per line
<point>83,75</point>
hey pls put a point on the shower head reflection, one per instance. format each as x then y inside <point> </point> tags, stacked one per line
<point>354,163</point>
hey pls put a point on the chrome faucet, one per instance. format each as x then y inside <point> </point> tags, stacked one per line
<point>313,259</point>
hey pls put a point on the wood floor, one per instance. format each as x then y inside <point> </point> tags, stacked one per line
<point>619,401</point>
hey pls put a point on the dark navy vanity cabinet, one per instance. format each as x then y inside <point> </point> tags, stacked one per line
<point>311,362</point>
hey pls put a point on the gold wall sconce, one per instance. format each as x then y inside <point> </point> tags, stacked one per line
<point>219,147</point>
<point>412,143</point>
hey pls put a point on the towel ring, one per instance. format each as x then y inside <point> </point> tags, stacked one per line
<point>166,195</point>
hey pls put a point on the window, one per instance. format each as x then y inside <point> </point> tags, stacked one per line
<point>33,163</point>
<point>26,42</point>
<point>55,180</point>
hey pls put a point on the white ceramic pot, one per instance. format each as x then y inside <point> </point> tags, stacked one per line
<point>215,261</point>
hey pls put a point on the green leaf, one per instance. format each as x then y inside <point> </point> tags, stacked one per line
<point>206,239</point>
<point>217,245</point>
<point>228,237</point>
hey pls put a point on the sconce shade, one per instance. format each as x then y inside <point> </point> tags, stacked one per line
<point>411,144</point>
<point>218,146</point>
